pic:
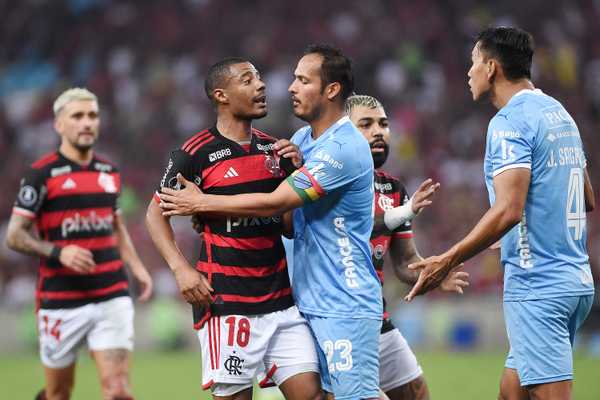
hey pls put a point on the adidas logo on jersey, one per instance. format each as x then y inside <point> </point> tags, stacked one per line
<point>69,184</point>
<point>231,173</point>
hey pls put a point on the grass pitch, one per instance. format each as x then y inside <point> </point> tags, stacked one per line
<point>176,376</point>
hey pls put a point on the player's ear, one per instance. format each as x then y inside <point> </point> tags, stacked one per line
<point>491,69</point>
<point>220,96</point>
<point>332,90</point>
<point>58,126</point>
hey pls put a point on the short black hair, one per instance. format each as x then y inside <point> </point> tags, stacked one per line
<point>512,47</point>
<point>218,72</point>
<point>336,67</point>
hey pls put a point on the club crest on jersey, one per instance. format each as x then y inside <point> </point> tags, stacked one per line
<point>272,165</point>
<point>107,182</point>
<point>378,251</point>
<point>385,203</point>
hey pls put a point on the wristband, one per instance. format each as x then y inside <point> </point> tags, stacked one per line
<point>55,253</point>
<point>398,215</point>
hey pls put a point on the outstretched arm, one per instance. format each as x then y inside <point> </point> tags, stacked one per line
<point>393,218</point>
<point>510,187</point>
<point>191,200</point>
<point>403,251</point>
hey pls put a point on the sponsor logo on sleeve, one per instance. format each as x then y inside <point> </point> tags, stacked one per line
<point>28,195</point>
<point>167,170</point>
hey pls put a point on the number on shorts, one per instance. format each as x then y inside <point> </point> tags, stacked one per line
<point>344,346</point>
<point>54,330</point>
<point>243,331</point>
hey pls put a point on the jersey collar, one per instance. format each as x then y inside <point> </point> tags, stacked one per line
<point>336,125</point>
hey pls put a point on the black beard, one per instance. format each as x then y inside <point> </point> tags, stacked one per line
<point>380,158</point>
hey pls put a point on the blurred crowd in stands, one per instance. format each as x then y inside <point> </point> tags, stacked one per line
<point>146,61</point>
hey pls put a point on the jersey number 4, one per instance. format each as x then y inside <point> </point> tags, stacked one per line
<point>575,211</point>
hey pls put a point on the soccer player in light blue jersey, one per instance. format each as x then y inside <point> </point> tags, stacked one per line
<point>334,282</point>
<point>539,189</point>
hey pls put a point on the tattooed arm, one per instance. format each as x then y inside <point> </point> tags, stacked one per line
<point>20,237</point>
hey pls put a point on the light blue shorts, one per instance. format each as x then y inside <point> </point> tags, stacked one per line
<point>541,334</point>
<point>348,352</point>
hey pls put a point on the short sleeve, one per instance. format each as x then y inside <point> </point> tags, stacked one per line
<point>508,146</point>
<point>328,169</point>
<point>404,231</point>
<point>31,195</point>
<point>179,162</point>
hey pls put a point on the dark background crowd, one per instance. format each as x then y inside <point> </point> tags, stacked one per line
<point>146,61</point>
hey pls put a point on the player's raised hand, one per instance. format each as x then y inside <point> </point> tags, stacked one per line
<point>289,150</point>
<point>77,258</point>
<point>180,202</point>
<point>455,281</point>
<point>433,270</point>
<point>422,196</point>
<point>193,285</point>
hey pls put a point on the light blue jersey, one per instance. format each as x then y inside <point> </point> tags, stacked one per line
<point>545,254</point>
<point>333,275</point>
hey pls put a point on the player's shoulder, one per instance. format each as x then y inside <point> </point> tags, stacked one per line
<point>263,137</point>
<point>384,175</point>
<point>46,161</point>
<point>46,165</point>
<point>388,182</point>
<point>101,163</point>
<point>198,142</point>
<point>300,135</point>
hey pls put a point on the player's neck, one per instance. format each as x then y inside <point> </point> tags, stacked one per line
<point>505,90</point>
<point>234,128</point>
<point>329,117</point>
<point>81,157</point>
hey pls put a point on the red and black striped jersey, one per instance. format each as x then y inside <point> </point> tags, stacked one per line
<point>389,193</point>
<point>74,204</point>
<point>243,258</point>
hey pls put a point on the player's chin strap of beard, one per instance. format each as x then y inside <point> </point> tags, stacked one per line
<point>380,158</point>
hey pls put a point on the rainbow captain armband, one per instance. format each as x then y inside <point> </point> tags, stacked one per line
<point>305,185</point>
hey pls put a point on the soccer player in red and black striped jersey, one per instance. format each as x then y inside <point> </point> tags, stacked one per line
<point>401,377</point>
<point>70,195</point>
<point>248,325</point>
